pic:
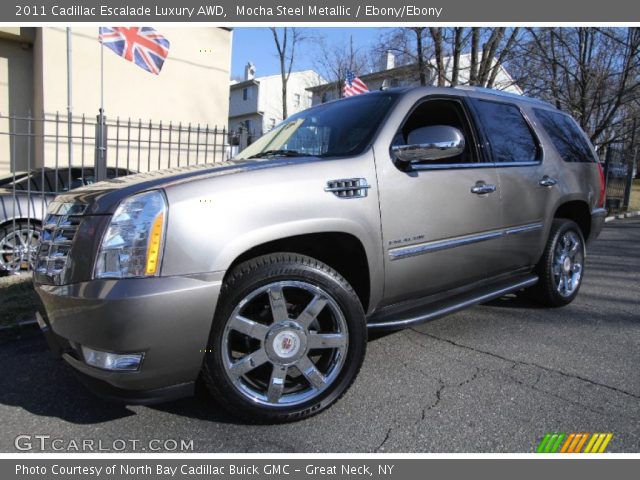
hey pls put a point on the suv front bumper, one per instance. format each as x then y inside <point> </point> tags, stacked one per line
<point>167,319</point>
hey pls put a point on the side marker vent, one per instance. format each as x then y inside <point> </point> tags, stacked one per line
<point>348,187</point>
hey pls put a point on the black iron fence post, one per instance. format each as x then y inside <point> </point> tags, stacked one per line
<point>629,183</point>
<point>101,147</point>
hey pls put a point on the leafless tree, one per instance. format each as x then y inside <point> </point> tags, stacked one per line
<point>333,61</point>
<point>441,49</point>
<point>591,73</point>
<point>409,45</point>
<point>286,40</point>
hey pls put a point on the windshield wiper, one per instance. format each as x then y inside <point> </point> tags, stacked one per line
<point>279,153</point>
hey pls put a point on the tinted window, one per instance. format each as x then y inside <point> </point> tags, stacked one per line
<point>566,136</point>
<point>509,135</point>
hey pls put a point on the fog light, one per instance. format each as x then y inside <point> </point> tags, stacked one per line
<point>112,361</point>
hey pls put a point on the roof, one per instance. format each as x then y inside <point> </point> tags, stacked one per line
<point>411,69</point>
<point>503,94</point>
<point>257,80</point>
<point>447,90</point>
<point>244,83</point>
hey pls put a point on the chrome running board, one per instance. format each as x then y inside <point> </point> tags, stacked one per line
<point>459,302</point>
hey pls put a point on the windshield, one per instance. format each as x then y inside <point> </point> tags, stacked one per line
<point>340,128</point>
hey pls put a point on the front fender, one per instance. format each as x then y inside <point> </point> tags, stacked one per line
<point>214,221</point>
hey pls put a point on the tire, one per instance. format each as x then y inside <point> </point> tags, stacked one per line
<point>561,268</point>
<point>18,246</point>
<point>288,339</point>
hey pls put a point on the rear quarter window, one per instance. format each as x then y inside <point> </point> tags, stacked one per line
<point>566,136</point>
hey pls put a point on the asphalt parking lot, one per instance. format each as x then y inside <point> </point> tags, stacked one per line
<point>494,378</point>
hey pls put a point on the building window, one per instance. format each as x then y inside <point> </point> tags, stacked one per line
<point>245,93</point>
<point>325,97</point>
<point>296,100</point>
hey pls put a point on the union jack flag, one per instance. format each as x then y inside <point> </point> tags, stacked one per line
<point>353,85</point>
<point>141,45</point>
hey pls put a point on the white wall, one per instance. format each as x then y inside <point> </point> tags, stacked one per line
<point>192,87</point>
<point>239,106</point>
<point>265,99</point>
<point>503,80</point>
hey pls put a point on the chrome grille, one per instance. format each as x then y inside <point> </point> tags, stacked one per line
<point>348,188</point>
<point>58,231</point>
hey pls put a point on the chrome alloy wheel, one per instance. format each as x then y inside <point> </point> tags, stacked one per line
<point>285,343</point>
<point>18,249</point>
<point>568,262</point>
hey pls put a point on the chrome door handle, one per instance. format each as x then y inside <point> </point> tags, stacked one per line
<point>482,188</point>
<point>547,181</point>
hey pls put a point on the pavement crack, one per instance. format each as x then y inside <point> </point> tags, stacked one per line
<point>386,438</point>
<point>441,387</point>
<point>535,365</point>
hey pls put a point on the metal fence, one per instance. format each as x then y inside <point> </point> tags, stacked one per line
<point>43,156</point>
<point>619,170</point>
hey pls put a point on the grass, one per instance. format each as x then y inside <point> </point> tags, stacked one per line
<point>634,202</point>
<point>18,300</point>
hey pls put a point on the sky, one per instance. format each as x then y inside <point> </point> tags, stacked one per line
<point>257,45</point>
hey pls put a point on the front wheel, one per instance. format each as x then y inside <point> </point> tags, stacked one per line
<point>561,267</point>
<point>288,339</point>
<point>18,246</point>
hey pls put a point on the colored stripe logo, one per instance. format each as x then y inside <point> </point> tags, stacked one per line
<point>574,443</point>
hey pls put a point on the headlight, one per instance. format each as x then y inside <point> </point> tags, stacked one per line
<point>132,245</point>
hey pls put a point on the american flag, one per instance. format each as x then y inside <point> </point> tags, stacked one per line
<point>141,45</point>
<point>353,85</point>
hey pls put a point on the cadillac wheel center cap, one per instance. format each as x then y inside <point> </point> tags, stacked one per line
<point>286,344</point>
<point>566,264</point>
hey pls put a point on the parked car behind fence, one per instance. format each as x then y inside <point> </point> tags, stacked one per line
<point>69,148</point>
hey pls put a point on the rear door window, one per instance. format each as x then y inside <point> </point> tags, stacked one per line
<point>509,135</point>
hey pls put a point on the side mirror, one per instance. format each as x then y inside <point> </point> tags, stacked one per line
<point>436,142</point>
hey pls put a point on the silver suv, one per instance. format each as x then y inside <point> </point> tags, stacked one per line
<point>261,277</point>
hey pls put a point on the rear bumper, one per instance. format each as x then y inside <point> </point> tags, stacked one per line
<point>597,222</point>
<point>168,319</point>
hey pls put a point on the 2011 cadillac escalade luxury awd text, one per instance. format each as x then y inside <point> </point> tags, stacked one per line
<point>261,276</point>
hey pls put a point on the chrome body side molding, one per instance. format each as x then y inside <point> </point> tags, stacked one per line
<point>427,247</point>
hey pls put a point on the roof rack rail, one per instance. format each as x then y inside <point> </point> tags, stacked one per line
<point>502,93</point>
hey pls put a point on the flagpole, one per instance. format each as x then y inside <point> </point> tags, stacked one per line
<point>101,76</point>
<point>69,102</point>
<point>100,167</point>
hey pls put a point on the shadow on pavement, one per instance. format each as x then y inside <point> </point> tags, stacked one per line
<point>43,386</point>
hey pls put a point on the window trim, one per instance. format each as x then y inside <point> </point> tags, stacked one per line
<point>486,145</point>
<point>479,154</point>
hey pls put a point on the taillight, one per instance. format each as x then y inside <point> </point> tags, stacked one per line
<point>602,186</point>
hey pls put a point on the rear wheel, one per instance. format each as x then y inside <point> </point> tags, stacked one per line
<point>18,246</point>
<point>288,339</point>
<point>561,267</point>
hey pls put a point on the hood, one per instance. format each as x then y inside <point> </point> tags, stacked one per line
<point>102,198</point>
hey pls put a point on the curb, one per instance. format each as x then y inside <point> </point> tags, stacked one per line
<point>18,330</point>
<point>620,216</point>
